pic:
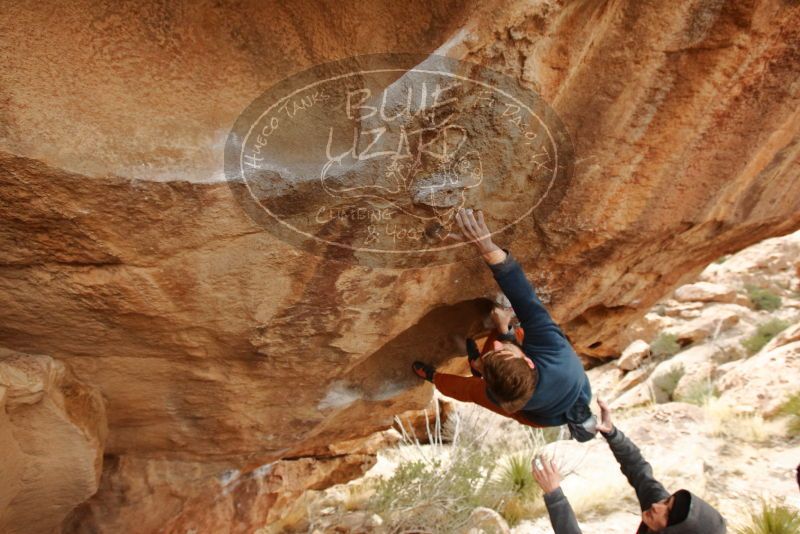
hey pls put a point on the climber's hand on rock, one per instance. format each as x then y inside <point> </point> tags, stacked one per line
<point>605,426</point>
<point>473,228</point>
<point>501,317</point>
<point>546,474</point>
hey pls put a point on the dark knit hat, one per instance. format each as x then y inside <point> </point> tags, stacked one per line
<point>702,518</point>
<point>682,499</point>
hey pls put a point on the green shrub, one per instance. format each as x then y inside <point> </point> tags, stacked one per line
<point>665,345</point>
<point>402,486</point>
<point>763,299</point>
<point>438,492</point>
<point>668,381</point>
<point>699,393</point>
<point>791,409</point>
<point>721,259</point>
<point>763,334</point>
<point>772,518</point>
<point>435,496</point>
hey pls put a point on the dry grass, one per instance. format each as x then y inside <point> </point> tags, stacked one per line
<point>598,498</point>
<point>357,496</point>
<point>699,393</point>
<point>723,420</point>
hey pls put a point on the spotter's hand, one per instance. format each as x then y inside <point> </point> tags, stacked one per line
<point>546,474</point>
<point>605,426</point>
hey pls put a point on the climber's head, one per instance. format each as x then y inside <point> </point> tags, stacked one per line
<point>510,375</point>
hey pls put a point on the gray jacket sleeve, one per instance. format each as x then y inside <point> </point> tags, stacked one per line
<point>562,518</point>
<point>636,469</point>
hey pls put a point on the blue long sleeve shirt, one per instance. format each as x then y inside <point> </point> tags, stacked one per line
<point>562,381</point>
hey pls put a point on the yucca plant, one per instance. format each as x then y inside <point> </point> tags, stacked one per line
<point>516,490</point>
<point>517,475</point>
<point>772,518</point>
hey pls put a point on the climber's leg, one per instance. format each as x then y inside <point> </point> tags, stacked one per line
<point>463,388</point>
<point>472,389</point>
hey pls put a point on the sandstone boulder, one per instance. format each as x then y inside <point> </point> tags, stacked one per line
<point>181,496</point>
<point>52,433</point>
<point>485,521</point>
<point>633,355</point>
<point>685,373</point>
<point>636,396</point>
<point>775,258</point>
<point>705,292</point>
<point>665,378</point>
<point>684,310</point>
<point>761,383</point>
<point>610,382</point>
<point>604,378</point>
<point>632,378</point>
<point>218,345</point>
<point>712,322</point>
<point>789,335</point>
<point>649,326</point>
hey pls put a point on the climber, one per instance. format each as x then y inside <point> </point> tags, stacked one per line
<point>679,513</point>
<point>505,327</point>
<point>540,383</point>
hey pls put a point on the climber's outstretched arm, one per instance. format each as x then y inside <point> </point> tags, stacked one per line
<point>539,327</point>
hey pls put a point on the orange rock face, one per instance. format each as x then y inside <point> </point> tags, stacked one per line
<point>52,433</point>
<point>217,346</point>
